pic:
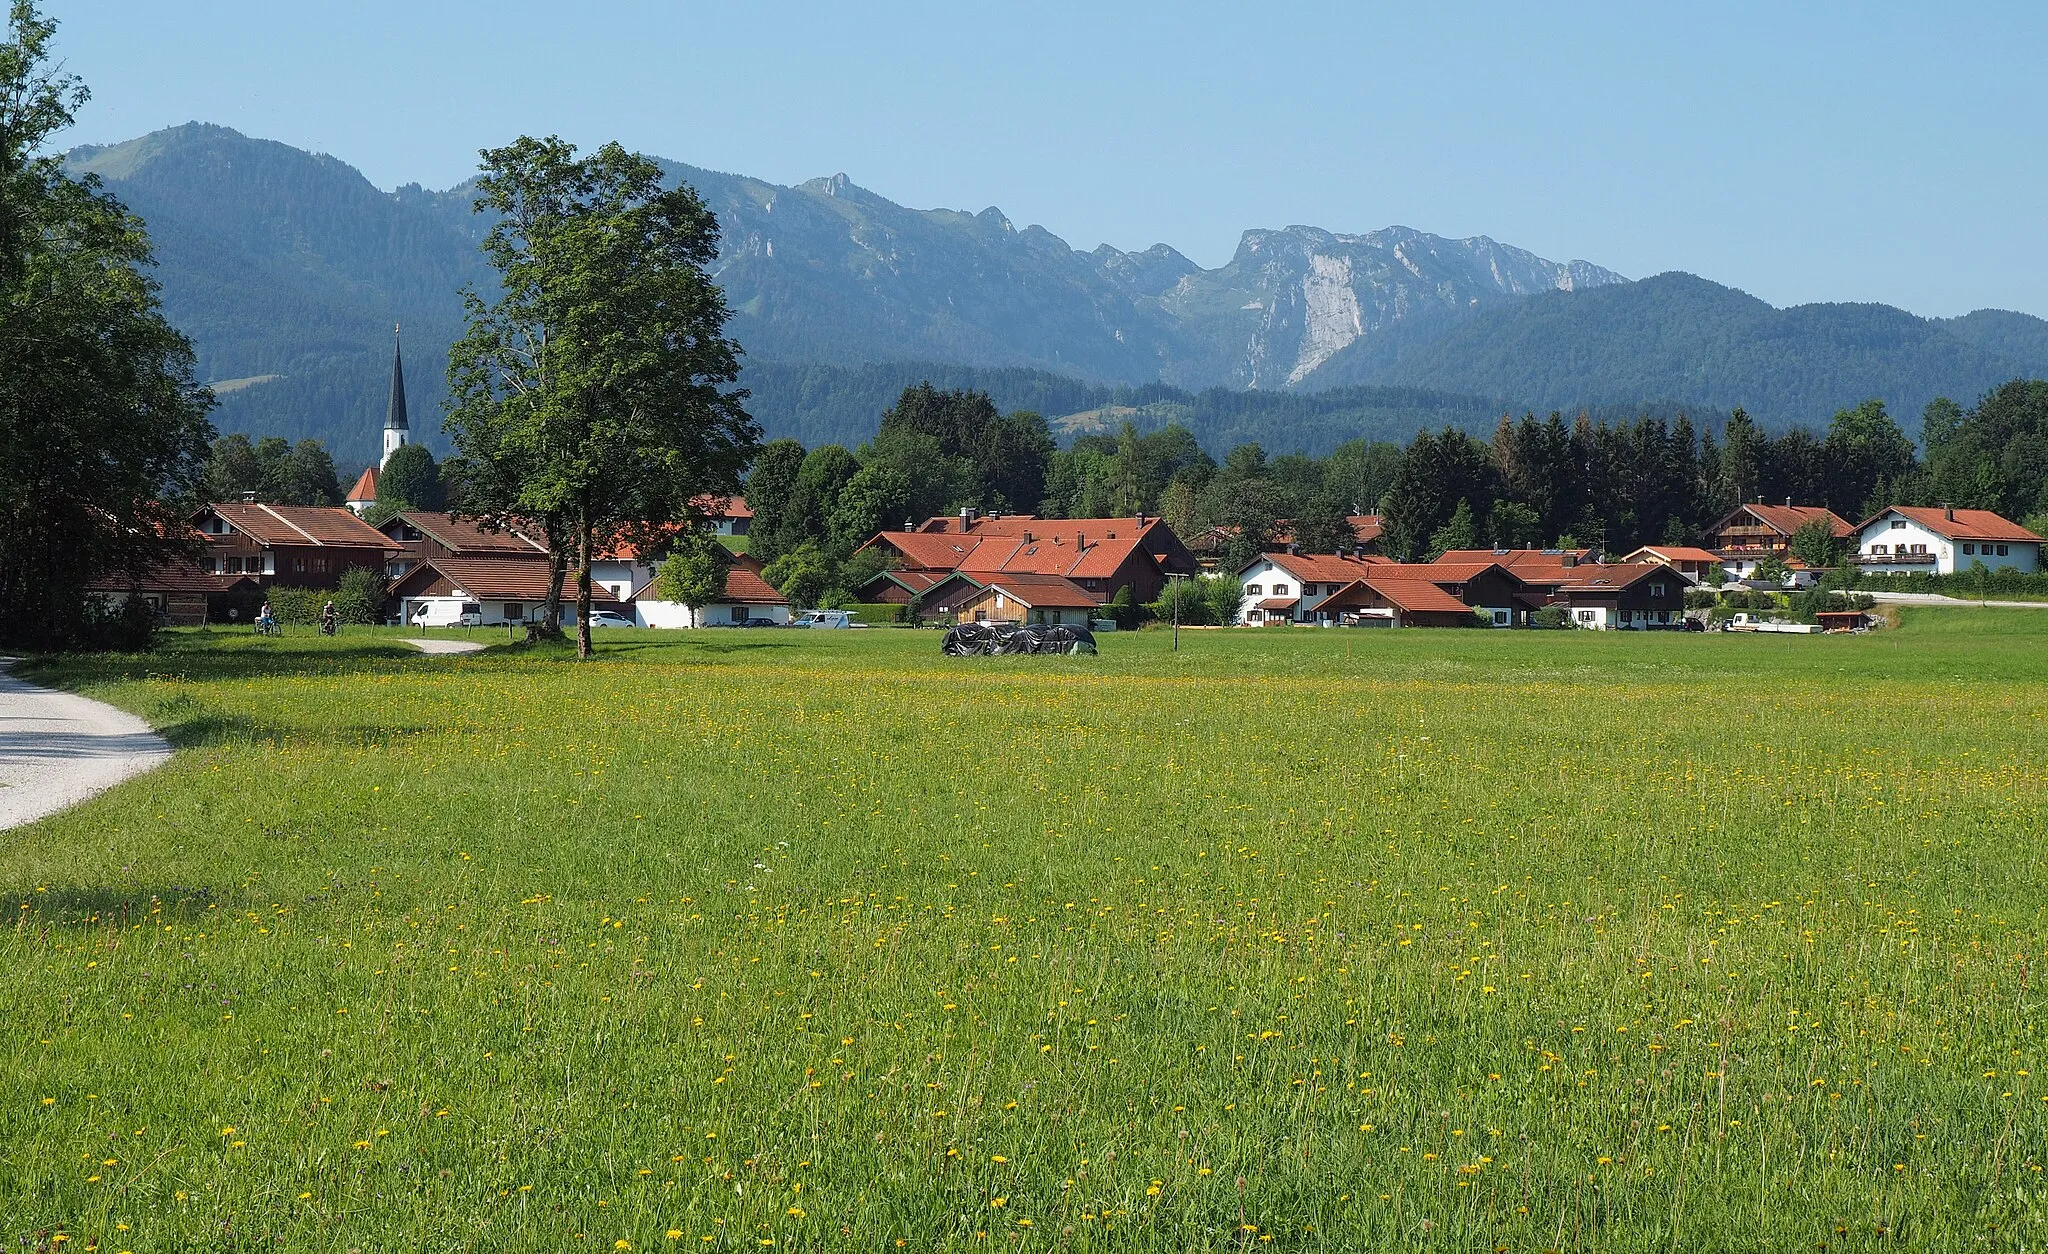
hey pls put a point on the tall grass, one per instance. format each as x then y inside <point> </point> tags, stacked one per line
<point>1311,940</point>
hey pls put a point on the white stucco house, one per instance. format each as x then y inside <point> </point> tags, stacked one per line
<point>1909,539</point>
<point>1287,587</point>
<point>747,598</point>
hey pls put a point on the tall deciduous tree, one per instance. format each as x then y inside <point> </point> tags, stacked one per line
<point>103,430</point>
<point>601,378</point>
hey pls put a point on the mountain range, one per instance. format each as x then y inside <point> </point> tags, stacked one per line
<point>289,269</point>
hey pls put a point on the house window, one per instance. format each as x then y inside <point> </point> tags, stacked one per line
<point>1587,616</point>
<point>1657,589</point>
<point>2001,550</point>
<point>981,616</point>
<point>1254,589</point>
<point>1898,524</point>
<point>1279,589</point>
<point>514,611</point>
<point>1971,548</point>
<point>1500,618</point>
<point>739,614</point>
<point>1919,548</point>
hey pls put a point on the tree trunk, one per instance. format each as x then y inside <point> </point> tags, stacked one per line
<point>583,584</point>
<point>558,573</point>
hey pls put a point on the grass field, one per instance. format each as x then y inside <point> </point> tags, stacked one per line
<point>1296,940</point>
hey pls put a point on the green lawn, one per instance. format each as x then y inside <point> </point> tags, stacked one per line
<point>1300,939</point>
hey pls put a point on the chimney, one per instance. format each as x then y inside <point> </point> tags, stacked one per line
<point>909,524</point>
<point>1141,520</point>
<point>1080,540</point>
<point>1569,560</point>
<point>248,498</point>
<point>1948,511</point>
<point>1788,502</point>
<point>1027,537</point>
<point>966,517</point>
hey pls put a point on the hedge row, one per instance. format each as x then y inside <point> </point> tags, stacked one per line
<point>1968,583</point>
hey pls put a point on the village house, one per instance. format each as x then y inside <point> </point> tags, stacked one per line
<point>1388,598</point>
<point>943,567</point>
<point>422,534</point>
<point>1749,533</point>
<point>183,595</point>
<point>1029,599</point>
<point>1905,539</point>
<point>747,598</point>
<point>484,591</point>
<point>1297,588</point>
<point>724,515</point>
<point>1625,596</point>
<point>293,546</point>
<point>1291,587</point>
<point>1685,559</point>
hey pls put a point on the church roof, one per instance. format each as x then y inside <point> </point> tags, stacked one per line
<point>394,416</point>
<point>366,487</point>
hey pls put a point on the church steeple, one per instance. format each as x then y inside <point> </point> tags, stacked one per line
<point>397,431</point>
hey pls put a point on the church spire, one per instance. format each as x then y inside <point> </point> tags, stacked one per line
<point>394,416</point>
<point>397,431</point>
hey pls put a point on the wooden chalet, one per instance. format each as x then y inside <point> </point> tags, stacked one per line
<point>1749,533</point>
<point>1029,599</point>
<point>183,595</point>
<point>293,546</point>
<point>422,534</point>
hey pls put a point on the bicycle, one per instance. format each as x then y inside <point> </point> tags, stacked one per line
<point>268,627</point>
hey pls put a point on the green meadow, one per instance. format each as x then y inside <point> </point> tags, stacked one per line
<point>1305,940</point>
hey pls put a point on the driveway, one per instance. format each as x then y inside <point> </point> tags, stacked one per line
<point>57,749</point>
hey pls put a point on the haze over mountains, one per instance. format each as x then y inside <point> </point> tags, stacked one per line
<point>288,270</point>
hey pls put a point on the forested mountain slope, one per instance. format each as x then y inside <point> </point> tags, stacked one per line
<point>290,269</point>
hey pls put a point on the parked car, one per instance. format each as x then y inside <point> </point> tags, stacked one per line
<point>826,618</point>
<point>609,618</point>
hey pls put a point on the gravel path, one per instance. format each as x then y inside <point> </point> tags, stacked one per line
<point>57,749</point>
<point>446,646</point>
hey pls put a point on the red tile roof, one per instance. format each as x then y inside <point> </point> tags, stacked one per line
<point>465,537</point>
<point>1968,524</point>
<point>1279,603</point>
<point>1613,576</point>
<point>175,575</point>
<point>366,486</point>
<point>1787,519</point>
<point>499,579</point>
<point>326,526</point>
<point>1404,593</point>
<point>721,506</point>
<point>1320,567</point>
<point>1674,553</point>
<point>744,587</point>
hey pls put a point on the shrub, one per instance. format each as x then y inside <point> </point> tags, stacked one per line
<point>1552,617</point>
<point>297,607</point>
<point>877,613</point>
<point>1700,598</point>
<point>360,598</point>
<point>127,627</point>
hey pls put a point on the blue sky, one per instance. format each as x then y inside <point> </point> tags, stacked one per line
<point>1803,152</point>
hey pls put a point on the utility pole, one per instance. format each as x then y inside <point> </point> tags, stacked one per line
<point>1176,587</point>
